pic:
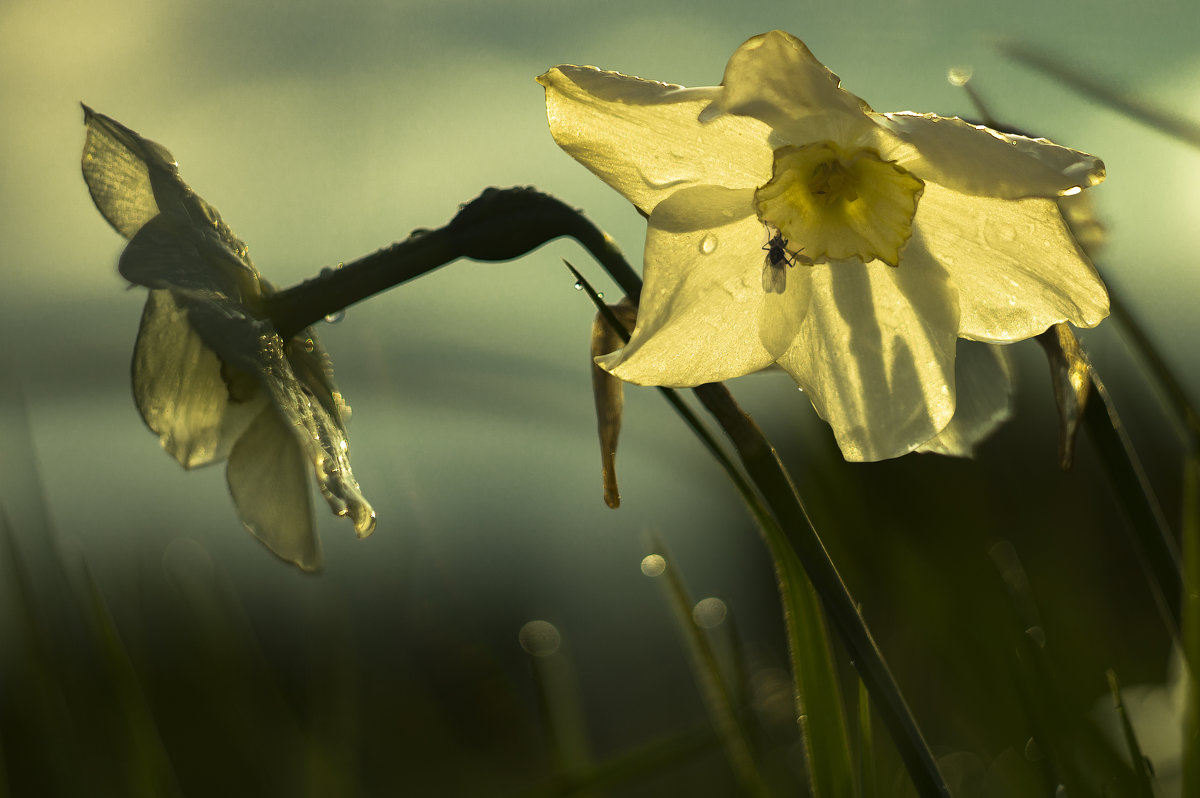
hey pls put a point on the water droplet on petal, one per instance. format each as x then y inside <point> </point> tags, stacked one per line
<point>309,345</point>
<point>708,244</point>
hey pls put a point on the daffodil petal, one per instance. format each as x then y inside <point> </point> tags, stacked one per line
<point>983,376</point>
<point>211,376</point>
<point>643,138</point>
<point>704,298</point>
<point>132,179</point>
<point>197,407</point>
<point>320,434</point>
<point>170,252</point>
<point>268,480</point>
<point>876,354</point>
<point>776,78</point>
<point>314,368</point>
<point>116,168</point>
<point>253,346</point>
<point>974,159</point>
<point>1017,267</point>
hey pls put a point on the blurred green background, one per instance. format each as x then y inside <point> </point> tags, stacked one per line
<point>324,132</point>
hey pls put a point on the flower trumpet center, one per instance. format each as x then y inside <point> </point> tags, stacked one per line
<point>840,203</point>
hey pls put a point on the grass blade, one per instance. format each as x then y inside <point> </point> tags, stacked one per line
<point>558,702</point>
<point>1137,109</point>
<point>1191,622</point>
<point>145,759</point>
<point>820,710</point>
<point>718,698</point>
<point>1141,771</point>
<point>1149,533</point>
<point>867,782</point>
<point>768,474</point>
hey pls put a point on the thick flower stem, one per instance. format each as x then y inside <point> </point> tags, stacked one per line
<point>504,224</point>
<point>297,307</point>
<point>1149,532</point>
<point>786,514</point>
<point>765,470</point>
<point>500,224</point>
<point>818,693</point>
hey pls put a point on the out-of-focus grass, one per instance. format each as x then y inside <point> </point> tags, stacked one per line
<point>190,691</point>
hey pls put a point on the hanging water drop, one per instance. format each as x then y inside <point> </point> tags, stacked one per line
<point>599,295</point>
<point>335,317</point>
<point>578,285</point>
<point>959,75</point>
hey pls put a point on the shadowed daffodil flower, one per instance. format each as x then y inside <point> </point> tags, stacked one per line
<point>211,376</point>
<point>791,224</point>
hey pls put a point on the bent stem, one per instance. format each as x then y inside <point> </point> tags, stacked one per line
<point>499,225</point>
<point>1149,531</point>
<point>767,472</point>
<point>504,224</point>
<point>817,692</point>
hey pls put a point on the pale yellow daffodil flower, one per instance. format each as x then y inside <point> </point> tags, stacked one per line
<point>211,376</point>
<point>790,224</point>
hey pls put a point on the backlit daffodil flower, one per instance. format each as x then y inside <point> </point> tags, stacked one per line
<point>789,223</point>
<point>211,376</point>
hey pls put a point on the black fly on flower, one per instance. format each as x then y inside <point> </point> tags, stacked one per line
<point>774,276</point>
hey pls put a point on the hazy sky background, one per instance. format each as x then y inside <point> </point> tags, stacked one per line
<point>325,131</point>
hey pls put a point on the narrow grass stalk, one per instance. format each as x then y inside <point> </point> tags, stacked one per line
<point>1149,533</point>
<point>146,764</point>
<point>554,677</point>
<point>1085,83</point>
<point>767,473</point>
<point>1141,771</point>
<point>1070,750</point>
<point>1082,399</point>
<point>714,688</point>
<point>867,786</point>
<point>818,694</point>
<point>820,712</point>
<point>1151,359</point>
<point>41,710</point>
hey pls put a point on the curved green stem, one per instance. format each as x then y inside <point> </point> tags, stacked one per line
<point>500,224</point>
<point>504,224</point>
